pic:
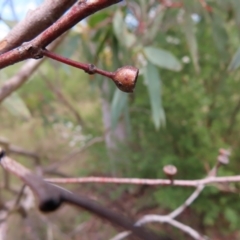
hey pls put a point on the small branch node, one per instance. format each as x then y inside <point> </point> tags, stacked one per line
<point>91,69</point>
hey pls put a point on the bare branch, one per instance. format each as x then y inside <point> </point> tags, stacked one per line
<point>33,48</point>
<point>142,181</point>
<point>188,202</point>
<point>3,224</point>
<point>222,159</point>
<point>73,154</point>
<point>62,98</point>
<point>23,74</point>
<point>50,197</point>
<point>35,22</point>
<point>13,149</point>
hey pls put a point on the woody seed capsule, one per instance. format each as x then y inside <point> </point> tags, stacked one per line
<point>125,78</point>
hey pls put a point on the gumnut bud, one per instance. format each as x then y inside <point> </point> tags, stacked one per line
<point>125,78</point>
<point>223,159</point>
<point>170,171</point>
<point>224,152</point>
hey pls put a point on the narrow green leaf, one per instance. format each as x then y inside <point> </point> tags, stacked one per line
<point>86,50</point>
<point>70,46</point>
<point>118,24</point>
<point>102,42</point>
<point>127,121</point>
<point>16,106</point>
<point>236,9</point>
<point>123,35</point>
<point>162,58</point>
<point>155,28</point>
<point>118,105</point>
<point>96,18</point>
<point>188,28</point>
<point>115,53</point>
<point>220,35</point>
<point>152,78</point>
<point>235,63</point>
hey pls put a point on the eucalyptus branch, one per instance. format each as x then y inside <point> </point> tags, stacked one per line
<point>144,181</point>
<point>24,73</point>
<point>33,48</point>
<point>222,159</point>
<point>125,78</point>
<point>35,22</point>
<point>51,197</point>
<point>13,149</point>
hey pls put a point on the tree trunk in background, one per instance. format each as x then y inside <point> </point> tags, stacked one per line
<point>114,138</point>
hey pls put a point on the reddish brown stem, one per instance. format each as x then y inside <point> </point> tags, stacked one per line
<point>125,78</point>
<point>88,68</point>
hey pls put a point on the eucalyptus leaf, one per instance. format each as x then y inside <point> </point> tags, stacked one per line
<point>235,63</point>
<point>236,8</point>
<point>220,35</point>
<point>118,105</point>
<point>16,106</point>
<point>155,28</point>
<point>152,78</point>
<point>120,29</point>
<point>97,18</point>
<point>162,58</point>
<point>188,29</point>
<point>118,24</point>
<point>70,47</point>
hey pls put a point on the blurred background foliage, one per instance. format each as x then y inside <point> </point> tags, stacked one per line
<point>185,106</point>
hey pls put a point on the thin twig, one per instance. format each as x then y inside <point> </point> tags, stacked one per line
<point>73,154</point>
<point>13,149</point>
<point>24,73</point>
<point>62,98</point>
<point>140,181</point>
